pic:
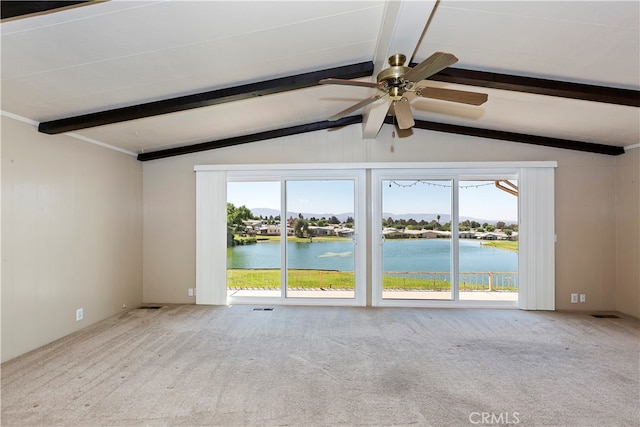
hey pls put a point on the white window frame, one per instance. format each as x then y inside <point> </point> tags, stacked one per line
<point>536,256</point>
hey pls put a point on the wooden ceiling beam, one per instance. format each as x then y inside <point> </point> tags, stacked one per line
<point>420,124</point>
<point>538,86</point>
<point>567,144</point>
<point>204,99</point>
<point>244,139</point>
<point>12,10</point>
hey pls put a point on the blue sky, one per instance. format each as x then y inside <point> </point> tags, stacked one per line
<point>478,199</point>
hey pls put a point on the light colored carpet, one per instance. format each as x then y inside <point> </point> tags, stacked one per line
<point>306,366</point>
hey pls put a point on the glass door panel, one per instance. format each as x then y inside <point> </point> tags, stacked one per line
<point>416,230</point>
<point>488,245</point>
<point>320,238</point>
<point>253,239</point>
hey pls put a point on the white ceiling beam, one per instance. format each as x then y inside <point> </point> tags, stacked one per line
<point>402,28</point>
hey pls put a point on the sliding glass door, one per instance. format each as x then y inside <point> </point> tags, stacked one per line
<point>445,237</point>
<point>488,245</point>
<point>253,239</point>
<point>295,236</point>
<point>416,235</point>
<point>320,248</point>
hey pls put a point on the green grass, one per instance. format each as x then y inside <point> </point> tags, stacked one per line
<point>508,245</point>
<point>298,279</point>
<point>314,279</point>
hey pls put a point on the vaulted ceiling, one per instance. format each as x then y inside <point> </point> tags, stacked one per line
<point>162,78</point>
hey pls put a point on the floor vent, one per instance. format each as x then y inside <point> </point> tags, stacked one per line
<point>606,316</point>
<point>150,307</point>
<point>262,309</point>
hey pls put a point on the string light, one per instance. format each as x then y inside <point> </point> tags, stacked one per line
<point>414,183</point>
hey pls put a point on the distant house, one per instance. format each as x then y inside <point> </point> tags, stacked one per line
<point>392,233</point>
<point>254,224</point>
<point>436,234</point>
<point>270,230</point>
<point>322,231</point>
<point>493,235</point>
<point>345,232</point>
<point>414,233</point>
<point>273,230</point>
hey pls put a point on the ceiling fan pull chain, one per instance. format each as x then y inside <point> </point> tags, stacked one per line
<point>393,131</point>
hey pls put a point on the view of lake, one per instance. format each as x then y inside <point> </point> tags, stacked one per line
<point>426,255</point>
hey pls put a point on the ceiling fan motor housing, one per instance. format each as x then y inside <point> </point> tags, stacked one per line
<point>392,77</point>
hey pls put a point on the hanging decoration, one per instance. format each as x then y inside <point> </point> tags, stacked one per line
<point>431,183</point>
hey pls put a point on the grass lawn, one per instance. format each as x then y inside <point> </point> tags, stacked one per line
<point>508,245</point>
<point>314,279</point>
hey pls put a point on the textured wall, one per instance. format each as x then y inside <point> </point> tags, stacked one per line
<point>585,202</point>
<point>71,235</point>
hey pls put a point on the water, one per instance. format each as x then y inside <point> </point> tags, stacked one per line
<point>431,255</point>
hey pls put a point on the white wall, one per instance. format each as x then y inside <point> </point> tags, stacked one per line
<point>71,235</point>
<point>585,202</point>
<point>627,195</point>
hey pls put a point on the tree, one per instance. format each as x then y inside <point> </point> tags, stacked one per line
<point>500,224</point>
<point>235,216</point>
<point>334,220</point>
<point>301,227</point>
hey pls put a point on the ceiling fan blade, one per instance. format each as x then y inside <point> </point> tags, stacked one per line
<point>347,83</point>
<point>403,114</point>
<point>462,96</point>
<point>355,107</point>
<point>436,62</point>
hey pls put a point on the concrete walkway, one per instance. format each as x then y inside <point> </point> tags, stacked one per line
<point>418,295</point>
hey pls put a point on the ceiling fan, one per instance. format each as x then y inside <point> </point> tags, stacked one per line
<point>397,80</point>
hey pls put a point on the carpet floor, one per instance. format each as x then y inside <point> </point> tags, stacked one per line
<point>186,365</point>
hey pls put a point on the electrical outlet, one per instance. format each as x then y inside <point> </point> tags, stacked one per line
<point>79,314</point>
<point>574,298</point>
<point>583,297</point>
<point>124,306</point>
<point>190,292</point>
